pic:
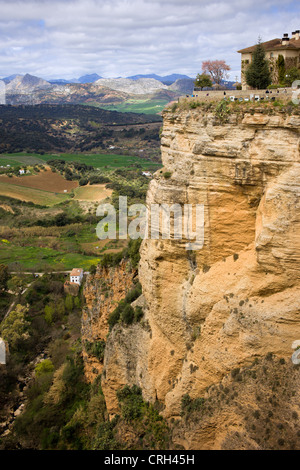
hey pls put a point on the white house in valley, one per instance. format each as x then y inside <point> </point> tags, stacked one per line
<point>76,276</point>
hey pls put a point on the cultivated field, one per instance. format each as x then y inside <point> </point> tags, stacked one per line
<point>37,196</point>
<point>103,161</point>
<point>137,106</point>
<point>45,181</point>
<point>94,192</point>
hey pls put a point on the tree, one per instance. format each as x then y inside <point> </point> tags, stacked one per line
<point>217,69</point>
<point>258,73</point>
<point>69,303</point>
<point>203,81</point>
<point>14,327</point>
<point>292,75</point>
<point>281,68</point>
<point>44,367</point>
<point>49,312</point>
<point>4,277</point>
<point>16,284</point>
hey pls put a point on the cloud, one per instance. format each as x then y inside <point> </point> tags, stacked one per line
<point>67,38</point>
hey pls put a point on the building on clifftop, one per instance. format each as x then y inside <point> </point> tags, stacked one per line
<point>289,48</point>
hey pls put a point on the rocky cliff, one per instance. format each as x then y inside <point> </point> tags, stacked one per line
<point>236,300</point>
<point>102,292</point>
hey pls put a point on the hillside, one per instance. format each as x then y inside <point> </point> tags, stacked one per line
<point>63,128</point>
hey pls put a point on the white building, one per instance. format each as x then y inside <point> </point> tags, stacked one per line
<point>76,276</point>
<point>21,172</point>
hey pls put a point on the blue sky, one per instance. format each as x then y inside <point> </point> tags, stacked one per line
<point>67,38</point>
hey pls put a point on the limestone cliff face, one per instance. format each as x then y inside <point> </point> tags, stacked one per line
<point>102,293</point>
<point>215,309</point>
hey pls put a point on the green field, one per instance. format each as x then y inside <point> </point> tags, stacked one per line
<point>43,198</point>
<point>102,161</point>
<point>20,159</point>
<point>30,257</point>
<point>137,106</point>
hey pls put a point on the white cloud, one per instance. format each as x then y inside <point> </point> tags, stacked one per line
<point>124,37</point>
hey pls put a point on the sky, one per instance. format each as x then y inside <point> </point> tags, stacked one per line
<point>69,38</point>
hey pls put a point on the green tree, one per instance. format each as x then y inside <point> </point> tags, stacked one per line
<point>258,73</point>
<point>292,74</point>
<point>60,308</point>
<point>93,269</point>
<point>281,69</point>
<point>16,284</point>
<point>49,311</point>
<point>203,80</point>
<point>44,367</point>
<point>4,277</point>
<point>14,327</point>
<point>69,303</point>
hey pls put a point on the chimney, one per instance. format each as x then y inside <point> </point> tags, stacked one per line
<point>293,35</point>
<point>297,34</point>
<point>285,40</point>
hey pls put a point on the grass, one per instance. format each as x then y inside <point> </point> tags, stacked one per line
<point>20,160</point>
<point>138,106</point>
<point>31,257</point>
<point>37,196</point>
<point>102,161</point>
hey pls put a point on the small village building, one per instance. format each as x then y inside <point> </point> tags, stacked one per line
<point>76,276</point>
<point>21,172</point>
<point>289,48</point>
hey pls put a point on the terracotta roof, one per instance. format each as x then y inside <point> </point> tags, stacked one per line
<point>76,272</point>
<point>274,45</point>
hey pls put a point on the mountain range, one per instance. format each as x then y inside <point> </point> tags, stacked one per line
<point>112,93</point>
<point>93,77</point>
<point>138,93</point>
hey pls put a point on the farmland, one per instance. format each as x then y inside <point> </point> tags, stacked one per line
<point>102,161</point>
<point>74,157</point>
<point>145,106</point>
<point>95,192</point>
<point>44,180</point>
<point>39,197</point>
<point>48,229</point>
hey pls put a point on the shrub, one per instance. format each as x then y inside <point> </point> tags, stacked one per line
<point>44,367</point>
<point>96,349</point>
<point>131,402</point>
<point>188,405</point>
<point>124,312</point>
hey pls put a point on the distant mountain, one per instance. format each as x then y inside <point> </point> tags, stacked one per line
<point>139,86</point>
<point>183,85</point>
<point>167,79</point>
<point>9,79</point>
<point>89,78</point>
<point>62,81</point>
<point>26,83</point>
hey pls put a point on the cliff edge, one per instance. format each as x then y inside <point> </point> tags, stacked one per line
<point>236,300</point>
